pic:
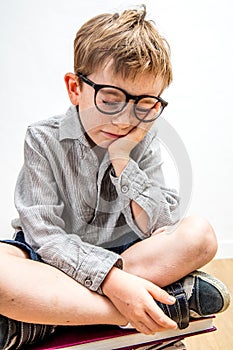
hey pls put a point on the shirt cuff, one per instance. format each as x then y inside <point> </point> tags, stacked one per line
<point>134,184</point>
<point>96,266</point>
<point>132,181</point>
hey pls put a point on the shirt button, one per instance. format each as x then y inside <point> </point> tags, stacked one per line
<point>124,189</point>
<point>88,282</point>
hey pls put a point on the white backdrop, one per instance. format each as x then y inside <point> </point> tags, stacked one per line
<point>36,51</point>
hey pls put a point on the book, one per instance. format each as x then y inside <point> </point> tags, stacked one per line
<point>170,345</point>
<point>105,337</point>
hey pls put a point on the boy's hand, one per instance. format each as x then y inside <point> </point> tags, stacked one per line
<point>120,149</point>
<point>124,145</point>
<point>134,298</point>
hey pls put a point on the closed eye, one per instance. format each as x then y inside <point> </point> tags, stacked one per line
<point>110,103</point>
<point>143,110</point>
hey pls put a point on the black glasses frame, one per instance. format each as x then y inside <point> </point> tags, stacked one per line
<point>128,96</point>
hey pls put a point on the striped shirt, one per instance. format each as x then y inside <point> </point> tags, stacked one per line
<point>71,205</point>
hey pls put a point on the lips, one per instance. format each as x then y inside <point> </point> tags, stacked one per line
<point>111,136</point>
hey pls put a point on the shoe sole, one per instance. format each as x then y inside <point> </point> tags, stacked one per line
<point>217,284</point>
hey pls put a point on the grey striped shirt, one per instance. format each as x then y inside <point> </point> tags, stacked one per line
<point>72,207</point>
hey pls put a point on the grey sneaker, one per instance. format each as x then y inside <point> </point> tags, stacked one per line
<point>206,294</point>
<point>16,335</point>
<point>197,294</point>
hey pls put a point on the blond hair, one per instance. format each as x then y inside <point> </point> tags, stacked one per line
<point>131,42</point>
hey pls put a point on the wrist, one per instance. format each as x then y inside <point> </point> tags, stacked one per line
<point>112,277</point>
<point>119,165</point>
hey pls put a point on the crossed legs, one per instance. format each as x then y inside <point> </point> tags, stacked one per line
<point>170,255</point>
<point>38,293</point>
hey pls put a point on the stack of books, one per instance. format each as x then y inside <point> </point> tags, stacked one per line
<point>101,337</point>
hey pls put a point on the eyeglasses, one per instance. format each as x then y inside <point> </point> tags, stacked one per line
<point>112,100</point>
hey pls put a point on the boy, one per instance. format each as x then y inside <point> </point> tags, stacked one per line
<point>91,243</point>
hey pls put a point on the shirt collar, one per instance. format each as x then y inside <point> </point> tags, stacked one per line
<point>71,127</point>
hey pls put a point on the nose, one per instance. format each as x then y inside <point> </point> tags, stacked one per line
<point>125,118</point>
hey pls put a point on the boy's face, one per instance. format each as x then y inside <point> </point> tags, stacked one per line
<point>103,129</point>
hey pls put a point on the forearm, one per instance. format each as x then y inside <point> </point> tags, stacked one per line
<point>119,163</point>
<point>39,293</point>
<point>139,215</point>
<point>135,298</point>
<point>146,202</point>
<point>85,263</point>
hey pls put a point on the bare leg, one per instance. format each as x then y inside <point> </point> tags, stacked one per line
<point>166,257</point>
<point>38,293</point>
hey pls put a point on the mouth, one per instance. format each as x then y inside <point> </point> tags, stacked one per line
<point>110,135</point>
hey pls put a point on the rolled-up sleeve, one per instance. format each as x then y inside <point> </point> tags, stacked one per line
<point>142,181</point>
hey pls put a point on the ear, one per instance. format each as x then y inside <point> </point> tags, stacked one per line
<point>73,88</point>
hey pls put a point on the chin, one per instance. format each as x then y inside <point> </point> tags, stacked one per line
<point>105,144</point>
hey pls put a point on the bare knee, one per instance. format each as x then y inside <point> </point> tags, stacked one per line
<point>202,239</point>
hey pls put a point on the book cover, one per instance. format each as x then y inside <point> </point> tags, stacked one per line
<point>168,345</point>
<point>103,337</point>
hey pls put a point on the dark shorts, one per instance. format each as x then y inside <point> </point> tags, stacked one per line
<point>20,242</point>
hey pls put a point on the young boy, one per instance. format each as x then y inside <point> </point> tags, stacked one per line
<point>92,245</point>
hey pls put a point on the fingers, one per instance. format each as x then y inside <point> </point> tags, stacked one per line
<point>137,134</point>
<point>152,321</point>
<point>150,318</point>
<point>141,129</point>
<point>160,319</point>
<point>149,119</point>
<point>137,302</point>
<point>161,295</point>
<point>148,325</point>
<point>153,113</point>
<point>157,320</point>
<point>144,126</point>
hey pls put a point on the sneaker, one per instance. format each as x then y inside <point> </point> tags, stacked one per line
<point>206,294</point>
<point>197,294</point>
<point>14,335</point>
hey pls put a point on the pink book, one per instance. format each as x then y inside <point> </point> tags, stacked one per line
<point>103,337</point>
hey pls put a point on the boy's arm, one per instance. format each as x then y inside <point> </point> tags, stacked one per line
<point>135,298</point>
<point>139,215</point>
<point>140,183</point>
<point>41,211</point>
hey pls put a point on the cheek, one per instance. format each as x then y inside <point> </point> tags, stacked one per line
<point>92,120</point>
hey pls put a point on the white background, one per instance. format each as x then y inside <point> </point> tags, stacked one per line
<point>36,51</point>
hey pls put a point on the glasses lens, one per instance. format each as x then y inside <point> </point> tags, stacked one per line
<point>148,109</point>
<point>110,100</point>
